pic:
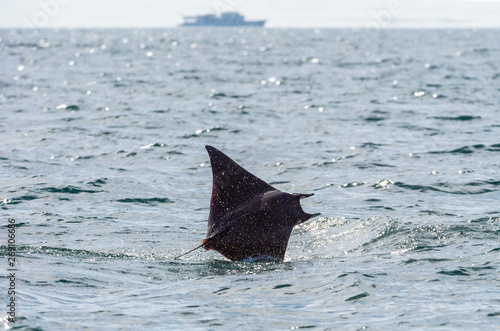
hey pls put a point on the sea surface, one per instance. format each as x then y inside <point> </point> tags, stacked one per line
<point>103,168</point>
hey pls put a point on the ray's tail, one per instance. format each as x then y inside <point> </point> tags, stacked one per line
<point>188,252</point>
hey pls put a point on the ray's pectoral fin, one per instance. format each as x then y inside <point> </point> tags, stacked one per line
<point>232,187</point>
<point>307,215</point>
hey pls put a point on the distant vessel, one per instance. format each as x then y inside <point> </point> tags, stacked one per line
<point>225,19</point>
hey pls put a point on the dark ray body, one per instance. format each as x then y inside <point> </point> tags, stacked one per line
<point>248,217</point>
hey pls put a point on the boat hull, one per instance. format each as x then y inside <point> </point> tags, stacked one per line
<point>222,24</point>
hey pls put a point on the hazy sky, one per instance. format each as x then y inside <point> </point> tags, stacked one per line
<point>279,13</point>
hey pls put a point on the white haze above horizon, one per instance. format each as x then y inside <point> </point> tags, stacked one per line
<point>278,13</point>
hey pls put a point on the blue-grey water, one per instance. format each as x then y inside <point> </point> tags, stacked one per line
<point>103,167</point>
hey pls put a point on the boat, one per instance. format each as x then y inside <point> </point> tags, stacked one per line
<point>225,19</point>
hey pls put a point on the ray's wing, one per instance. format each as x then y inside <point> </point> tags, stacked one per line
<point>232,186</point>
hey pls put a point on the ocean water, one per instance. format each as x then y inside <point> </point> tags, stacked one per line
<point>103,167</point>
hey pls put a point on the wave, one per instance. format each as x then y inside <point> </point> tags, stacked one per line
<point>457,118</point>
<point>149,201</point>
<point>484,186</point>
<point>340,237</point>
<point>61,251</point>
<point>68,190</point>
<point>31,250</point>
<point>98,182</point>
<point>469,149</point>
<point>23,198</point>
<point>201,132</point>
